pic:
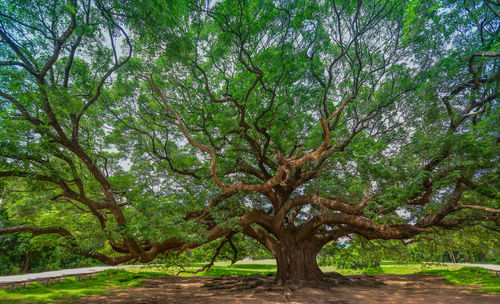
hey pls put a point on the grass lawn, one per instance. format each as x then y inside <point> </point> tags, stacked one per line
<point>70,288</point>
<point>470,277</point>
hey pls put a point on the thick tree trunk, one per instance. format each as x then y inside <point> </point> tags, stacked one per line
<point>297,263</point>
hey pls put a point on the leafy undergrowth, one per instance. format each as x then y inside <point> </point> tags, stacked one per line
<point>70,288</point>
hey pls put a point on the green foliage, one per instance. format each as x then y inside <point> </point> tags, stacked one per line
<point>358,253</point>
<point>249,79</point>
<point>245,246</point>
<point>471,245</point>
<point>20,253</point>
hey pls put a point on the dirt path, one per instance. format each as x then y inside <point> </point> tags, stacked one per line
<point>395,289</point>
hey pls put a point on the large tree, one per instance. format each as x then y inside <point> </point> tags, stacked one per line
<point>295,123</point>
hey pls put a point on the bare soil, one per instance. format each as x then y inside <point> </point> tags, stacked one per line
<point>384,288</point>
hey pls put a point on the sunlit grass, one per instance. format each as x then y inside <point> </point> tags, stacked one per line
<point>399,269</point>
<point>237,269</point>
<point>470,277</point>
<point>71,289</point>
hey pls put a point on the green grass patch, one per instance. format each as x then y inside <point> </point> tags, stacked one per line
<point>236,269</point>
<point>399,269</point>
<point>474,277</point>
<point>468,277</point>
<point>70,288</point>
<point>386,263</point>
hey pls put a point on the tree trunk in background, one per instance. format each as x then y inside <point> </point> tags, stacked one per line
<point>452,256</point>
<point>27,262</point>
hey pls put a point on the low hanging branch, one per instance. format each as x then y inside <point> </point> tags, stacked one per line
<point>473,71</point>
<point>37,231</point>
<point>73,244</point>
<point>227,239</point>
<point>483,208</point>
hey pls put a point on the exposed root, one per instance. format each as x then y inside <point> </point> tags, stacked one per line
<point>264,283</point>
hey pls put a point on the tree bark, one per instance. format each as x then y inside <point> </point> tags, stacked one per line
<point>27,262</point>
<point>452,256</point>
<point>297,263</point>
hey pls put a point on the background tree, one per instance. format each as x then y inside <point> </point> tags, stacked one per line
<point>21,253</point>
<point>295,123</point>
<point>470,244</point>
<point>58,173</point>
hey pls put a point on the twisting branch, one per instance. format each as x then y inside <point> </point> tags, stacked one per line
<point>58,44</point>
<point>285,164</point>
<point>115,67</point>
<point>179,123</point>
<point>476,207</point>
<point>19,106</point>
<point>37,231</point>
<point>26,63</point>
<point>473,71</point>
<point>214,256</point>
<point>73,244</point>
<point>450,207</point>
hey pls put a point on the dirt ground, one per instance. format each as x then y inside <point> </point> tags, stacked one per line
<point>406,289</point>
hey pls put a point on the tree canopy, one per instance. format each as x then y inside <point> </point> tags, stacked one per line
<point>145,127</point>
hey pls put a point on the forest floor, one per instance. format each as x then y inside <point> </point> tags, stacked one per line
<point>366,289</point>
